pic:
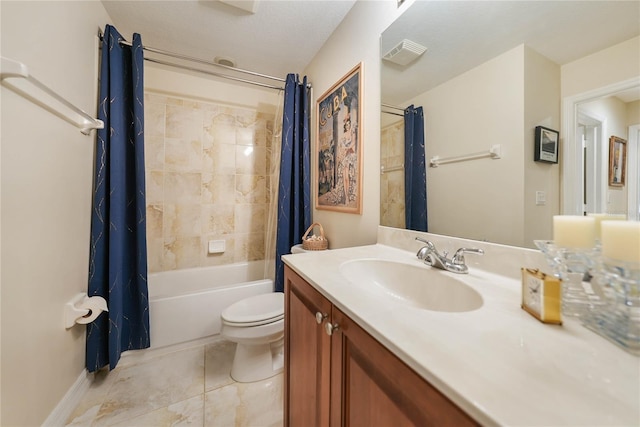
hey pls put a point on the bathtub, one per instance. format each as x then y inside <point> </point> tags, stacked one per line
<point>185,305</point>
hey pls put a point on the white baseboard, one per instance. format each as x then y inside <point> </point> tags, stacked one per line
<point>62,411</point>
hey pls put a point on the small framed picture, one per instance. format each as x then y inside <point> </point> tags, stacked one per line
<point>546,145</point>
<point>617,161</point>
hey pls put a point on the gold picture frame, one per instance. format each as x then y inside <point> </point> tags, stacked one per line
<point>338,183</point>
<point>617,161</point>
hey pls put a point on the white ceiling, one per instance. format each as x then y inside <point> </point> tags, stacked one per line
<point>461,35</point>
<point>281,37</point>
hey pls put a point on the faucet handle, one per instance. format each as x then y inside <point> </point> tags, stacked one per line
<point>426,242</point>
<point>458,257</point>
<point>425,250</point>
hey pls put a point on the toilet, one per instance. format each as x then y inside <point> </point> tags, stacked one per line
<point>256,324</point>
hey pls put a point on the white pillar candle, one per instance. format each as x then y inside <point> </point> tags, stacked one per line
<point>621,240</point>
<point>599,217</point>
<point>573,231</point>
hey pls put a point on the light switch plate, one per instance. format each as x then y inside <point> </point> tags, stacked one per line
<point>541,198</point>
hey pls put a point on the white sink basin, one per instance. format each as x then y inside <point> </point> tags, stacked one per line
<point>424,288</point>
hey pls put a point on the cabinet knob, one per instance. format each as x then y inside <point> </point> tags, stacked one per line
<point>320,317</point>
<point>331,328</point>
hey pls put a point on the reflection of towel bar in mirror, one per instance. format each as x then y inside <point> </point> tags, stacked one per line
<point>383,170</point>
<point>15,75</point>
<point>494,153</point>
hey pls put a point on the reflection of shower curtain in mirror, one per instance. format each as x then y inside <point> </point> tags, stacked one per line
<point>415,174</point>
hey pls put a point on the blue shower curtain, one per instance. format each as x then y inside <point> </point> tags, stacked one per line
<point>415,175</point>
<point>118,252</point>
<point>294,191</point>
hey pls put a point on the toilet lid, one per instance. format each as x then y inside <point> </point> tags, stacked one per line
<point>256,310</point>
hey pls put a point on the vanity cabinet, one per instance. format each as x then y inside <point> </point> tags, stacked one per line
<point>336,374</point>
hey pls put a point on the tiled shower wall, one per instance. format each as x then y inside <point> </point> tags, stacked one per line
<point>206,179</point>
<point>392,183</point>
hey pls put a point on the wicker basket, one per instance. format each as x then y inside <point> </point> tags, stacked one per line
<point>315,243</point>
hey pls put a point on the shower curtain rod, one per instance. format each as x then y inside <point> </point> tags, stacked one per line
<point>201,61</point>
<point>393,114</point>
<point>211,73</point>
<point>392,106</point>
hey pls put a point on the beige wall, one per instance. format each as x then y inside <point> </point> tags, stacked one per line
<point>356,40</point>
<point>615,64</point>
<point>479,199</point>
<point>541,108</point>
<point>46,204</point>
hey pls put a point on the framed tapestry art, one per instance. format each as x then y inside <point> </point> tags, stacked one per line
<point>339,145</point>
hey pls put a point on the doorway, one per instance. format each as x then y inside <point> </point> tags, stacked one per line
<point>589,137</point>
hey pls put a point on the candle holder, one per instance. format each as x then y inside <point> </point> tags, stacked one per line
<point>618,319</point>
<point>573,266</point>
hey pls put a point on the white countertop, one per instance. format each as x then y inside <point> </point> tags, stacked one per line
<point>498,363</point>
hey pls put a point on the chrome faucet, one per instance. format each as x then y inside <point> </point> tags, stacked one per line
<point>430,255</point>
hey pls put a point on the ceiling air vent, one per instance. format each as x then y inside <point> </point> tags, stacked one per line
<point>404,52</point>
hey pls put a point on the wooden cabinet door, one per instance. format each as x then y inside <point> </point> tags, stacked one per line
<point>371,387</point>
<point>307,355</point>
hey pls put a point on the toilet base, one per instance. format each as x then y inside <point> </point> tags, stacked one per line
<point>257,361</point>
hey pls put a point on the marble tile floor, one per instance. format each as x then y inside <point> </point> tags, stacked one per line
<point>189,386</point>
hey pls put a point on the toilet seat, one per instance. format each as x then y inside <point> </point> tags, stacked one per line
<point>256,310</point>
<point>256,323</point>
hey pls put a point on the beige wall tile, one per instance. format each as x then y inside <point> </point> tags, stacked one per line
<point>250,218</point>
<point>154,221</point>
<point>245,118</point>
<point>218,219</point>
<point>154,153</point>
<point>182,155</point>
<point>396,187</point>
<point>219,158</point>
<point>154,119</point>
<point>184,122</point>
<point>218,188</point>
<point>251,160</point>
<point>220,133</point>
<point>181,252</point>
<point>207,179</point>
<point>182,220</point>
<point>250,189</point>
<point>249,247</point>
<point>245,136</point>
<point>182,187</point>
<point>154,187</point>
<point>154,98</point>
<point>155,254</point>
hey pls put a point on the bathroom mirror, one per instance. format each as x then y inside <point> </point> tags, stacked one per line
<point>491,73</point>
